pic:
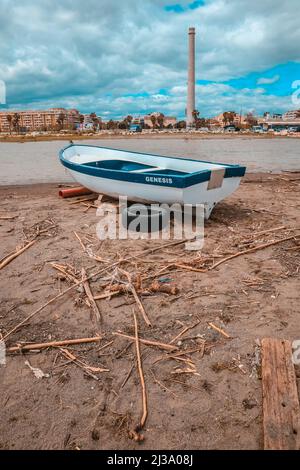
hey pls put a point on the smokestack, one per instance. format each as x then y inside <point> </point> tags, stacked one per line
<point>191,79</point>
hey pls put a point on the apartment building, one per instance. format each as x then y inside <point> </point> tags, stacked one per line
<point>41,120</point>
<point>291,115</point>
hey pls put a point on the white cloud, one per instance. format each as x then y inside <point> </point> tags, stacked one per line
<point>268,81</point>
<point>90,54</point>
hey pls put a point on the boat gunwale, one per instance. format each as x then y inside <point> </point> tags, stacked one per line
<point>177,181</point>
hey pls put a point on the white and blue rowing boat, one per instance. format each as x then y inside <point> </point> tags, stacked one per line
<point>151,178</point>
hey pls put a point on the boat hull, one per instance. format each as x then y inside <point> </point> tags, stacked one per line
<point>168,180</point>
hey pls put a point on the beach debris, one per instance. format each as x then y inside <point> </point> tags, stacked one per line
<point>166,347</point>
<point>281,410</point>
<point>67,271</point>
<point>104,346</point>
<point>90,297</point>
<point>219,330</point>
<point>256,361</point>
<point>185,329</point>
<point>165,288</point>
<point>118,289</point>
<point>185,384</point>
<point>91,276</point>
<point>80,241</point>
<point>251,250</point>
<point>249,403</point>
<point>89,199</point>
<point>189,370</point>
<point>89,370</point>
<point>165,280</point>
<point>38,373</point>
<point>52,344</point>
<point>8,217</point>
<point>135,433</point>
<point>136,297</point>
<point>161,384</point>
<point>127,375</point>
<point>7,259</point>
<point>275,229</point>
<point>223,365</point>
<point>73,192</point>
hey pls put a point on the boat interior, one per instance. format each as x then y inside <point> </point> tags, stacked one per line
<point>134,167</point>
<point>134,162</point>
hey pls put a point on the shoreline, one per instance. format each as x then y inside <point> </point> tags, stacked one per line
<point>154,135</point>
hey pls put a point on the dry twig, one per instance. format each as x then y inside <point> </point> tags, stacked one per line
<point>89,294</point>
<point>11,257</point>
<point>219,330</point>
<point>251,250</point>
<point>166,347</point>
<point>52,344</point>
<point>136,297</point>
<point>134,434</point>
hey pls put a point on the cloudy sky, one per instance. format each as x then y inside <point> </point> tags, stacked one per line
<point>116,57</point>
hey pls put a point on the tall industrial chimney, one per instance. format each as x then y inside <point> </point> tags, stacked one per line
<point>191,80</point>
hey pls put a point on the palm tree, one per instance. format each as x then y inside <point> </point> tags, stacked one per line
<point>251,120</point>
<point>95,120</point>
<point>225,118</point>
<point>231,116</point>
<point>15,122</point>
<point>60,120</point>
<point>112,124</point>
<point>9,119</point>
<point>81,120</point>
<point>160,120</point>
<point>196,116</point>
<point>153,120</point>
<point>123,124</point>
<point>180,125</point>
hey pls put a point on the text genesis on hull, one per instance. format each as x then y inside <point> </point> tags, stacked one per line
<point>151,178</point>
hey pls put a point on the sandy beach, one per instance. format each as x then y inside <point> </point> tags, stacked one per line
<point>90,396</point>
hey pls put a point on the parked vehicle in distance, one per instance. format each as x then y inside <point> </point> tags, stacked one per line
<point>257,129</point>
<point>293,129</point>
<point>135,128</point>
<point>230,129</point>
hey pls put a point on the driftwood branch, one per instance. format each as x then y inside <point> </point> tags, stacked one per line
<point>219,330</point>
<point>7,217</point>
<point>89,294</point>
<point>62,269</point>
<point>134,434</point>
<point>80,241</point>
<point>166,347</point>
<point>136,298</point>
<point>52,344</point>
<point>11,257</point>
<point>251,250</point>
